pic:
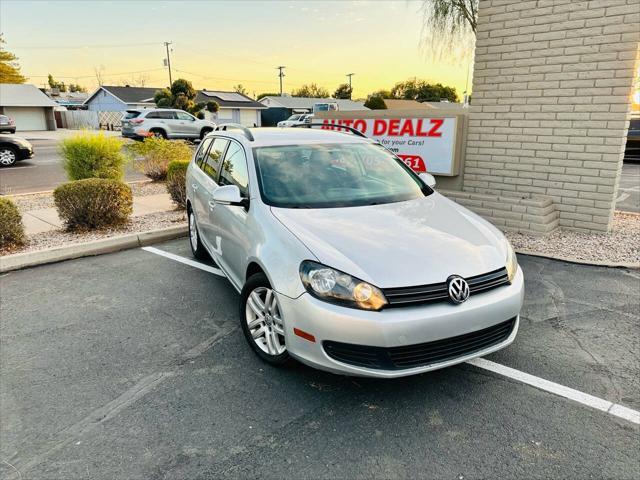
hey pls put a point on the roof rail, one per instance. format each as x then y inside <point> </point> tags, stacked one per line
<point>246,132</point>
<point>331,126</point>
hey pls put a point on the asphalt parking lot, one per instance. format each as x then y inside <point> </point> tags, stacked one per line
<point>133,366</point>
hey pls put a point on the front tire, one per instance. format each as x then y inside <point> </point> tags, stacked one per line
<point>204,132</point>
<point>194,238</point>
<point>261,320</point>
<point>8,156</point>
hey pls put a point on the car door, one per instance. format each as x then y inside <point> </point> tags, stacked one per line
<point>230,221</point>
<point>186,125</point>
<point>209,182</point>
<point>197,181</point>
<point>165,119</point>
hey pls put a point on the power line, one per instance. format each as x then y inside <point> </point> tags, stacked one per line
<point>80,47</point>
<point>93,74</point>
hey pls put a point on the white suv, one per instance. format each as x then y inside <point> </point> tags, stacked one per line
<point>163,122</point>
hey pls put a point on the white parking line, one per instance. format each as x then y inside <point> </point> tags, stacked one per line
<point>557,389</point>
<point>186,261</point>
<point>615,409</point>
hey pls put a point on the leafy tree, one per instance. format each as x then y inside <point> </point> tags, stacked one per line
<point>311,90</point>
<point>181,95</point>
<point>73,88</point>
<point>9,68</point>
<point>54,84</point>
<point>262,95</point>
<point>449,28</point>
<point>375,102</point>
<point>343,91</point>
<point>240,89</point>
<point>423,91</point>
<point>212,106</point>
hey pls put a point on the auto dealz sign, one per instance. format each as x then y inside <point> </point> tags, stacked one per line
<point>424,144</point>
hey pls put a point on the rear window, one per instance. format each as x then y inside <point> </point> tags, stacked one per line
<point>131,114</point>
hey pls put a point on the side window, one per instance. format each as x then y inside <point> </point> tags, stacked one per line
<point>234,169</point>
<point>185,116</point>
<point>167,115</point>
<point>152,115</point>
<point>202,151</point>
<point>212,161</point>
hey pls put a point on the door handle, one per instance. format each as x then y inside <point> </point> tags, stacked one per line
<point>212,204</point>
<point>194,186</point>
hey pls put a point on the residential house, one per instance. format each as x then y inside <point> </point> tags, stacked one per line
<point>28,106</point>
<point>234,107</point>
<point>281,108</point>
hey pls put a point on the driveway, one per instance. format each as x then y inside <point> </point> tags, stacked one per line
<point>132,366</point>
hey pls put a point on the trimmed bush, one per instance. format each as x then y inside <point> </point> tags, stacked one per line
<point>154,154</point>
<point>93,203</point>
<point>176,182</point>
<point>93,155</point>
<point>11,228</point>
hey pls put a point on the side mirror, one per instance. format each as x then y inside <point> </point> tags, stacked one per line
<point>428,179</point>
<point>228,195</point>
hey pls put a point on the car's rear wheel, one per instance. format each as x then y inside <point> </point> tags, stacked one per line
<point>8,156</point>
<point>262,321</point>
<point>194,238</point>
<point>204,132</point>
<point>158,133</point>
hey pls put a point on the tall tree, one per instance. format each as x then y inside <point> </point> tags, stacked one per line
<point>449,28</point>
<point>239,88</point>
<point>343,91</point>
<point>422,91</point>
<point>181,95</point>
<point>9,67</point>
<point>311,90</point>
<point>55,84</point>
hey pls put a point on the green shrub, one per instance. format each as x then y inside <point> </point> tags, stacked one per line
<point>154,154</point>
<point>93,155</point>
<point>176,182</point>
<point>11,228</point>
<point>93,203</point>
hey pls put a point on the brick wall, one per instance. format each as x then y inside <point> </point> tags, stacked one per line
<point>550,105</point>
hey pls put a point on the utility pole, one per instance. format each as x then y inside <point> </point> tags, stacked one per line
<point>350,88</point>
<point>281,75</point>
<point>168,61</point>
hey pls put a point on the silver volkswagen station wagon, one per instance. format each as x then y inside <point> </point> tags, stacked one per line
<point>345,259</point>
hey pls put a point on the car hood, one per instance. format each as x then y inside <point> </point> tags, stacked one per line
<point>415,242</point>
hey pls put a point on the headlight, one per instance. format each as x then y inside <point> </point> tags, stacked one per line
<point>338,287</point>
<point>512,261</point>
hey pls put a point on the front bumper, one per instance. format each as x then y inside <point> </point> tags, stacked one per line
<point>25,153</point>
<point>396,327</point>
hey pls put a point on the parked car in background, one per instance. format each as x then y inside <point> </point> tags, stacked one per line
<point>165,123</point>
<point>296,119</point>
<point>7,124</point>
<point>14,149</point>
<point>345,258</point>
<point>632,149</point>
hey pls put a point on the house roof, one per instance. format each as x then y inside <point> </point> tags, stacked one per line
<point>146,94</point>
<point>228,99</point>
<point>306,103</point>
<point>23,95</point>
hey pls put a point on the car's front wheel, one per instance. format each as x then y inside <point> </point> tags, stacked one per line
<point>262,321</point>
<point>8,156</point>
<point>205,131</point>
<point>194,238</point>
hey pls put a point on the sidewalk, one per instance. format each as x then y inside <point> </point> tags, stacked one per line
<point>46,219</point>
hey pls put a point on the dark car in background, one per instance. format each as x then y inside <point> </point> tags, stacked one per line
<point>7,124</point>
<point>632,150</point>
<point>13,149</point>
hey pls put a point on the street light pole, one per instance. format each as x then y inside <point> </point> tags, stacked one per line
<point>166,45</point>
<point>350,88</point>
<point>281,75</point>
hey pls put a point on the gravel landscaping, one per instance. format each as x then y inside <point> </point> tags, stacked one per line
<point>45,200</point>
<point>621,245</point>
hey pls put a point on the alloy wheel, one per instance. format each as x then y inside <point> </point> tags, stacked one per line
<point>7,157</point>
<point>264,321</point>
<point>193,232</point>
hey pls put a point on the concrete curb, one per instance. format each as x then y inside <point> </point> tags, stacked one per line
<point>97,247</point>
<point>593,263</point>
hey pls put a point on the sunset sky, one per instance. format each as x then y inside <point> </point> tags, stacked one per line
<point>217,44</point>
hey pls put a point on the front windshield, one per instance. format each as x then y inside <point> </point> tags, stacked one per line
<point>334,175</point>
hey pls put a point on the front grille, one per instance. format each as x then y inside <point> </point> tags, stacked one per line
<point>437,292</point>
<point>421,354</point>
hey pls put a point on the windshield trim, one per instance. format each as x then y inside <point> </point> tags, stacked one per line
<point>424,188</point>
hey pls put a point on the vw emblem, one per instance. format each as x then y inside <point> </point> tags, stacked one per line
<point>458,289</point>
